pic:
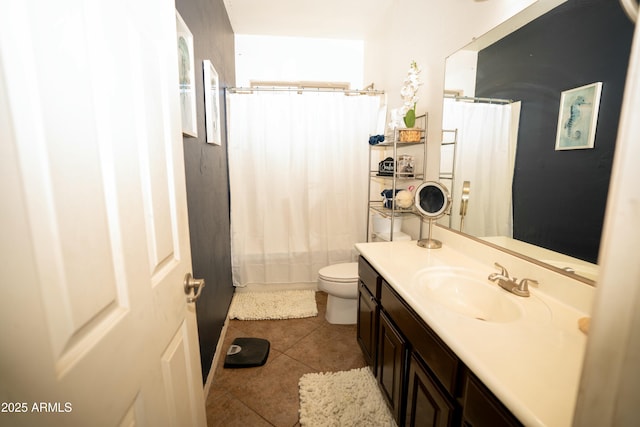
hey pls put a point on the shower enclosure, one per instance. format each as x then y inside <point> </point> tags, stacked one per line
<point>298,181</point>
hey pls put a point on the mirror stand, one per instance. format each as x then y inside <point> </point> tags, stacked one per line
<point>432,200</point>
<point>430,243</point>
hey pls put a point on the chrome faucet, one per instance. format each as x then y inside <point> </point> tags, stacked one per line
<point>511,284</point>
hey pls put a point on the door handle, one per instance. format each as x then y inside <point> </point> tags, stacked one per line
<point>192,284</point>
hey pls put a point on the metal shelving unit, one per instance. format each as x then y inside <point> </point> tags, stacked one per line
<point>397,180</point>
<point>448,149</point>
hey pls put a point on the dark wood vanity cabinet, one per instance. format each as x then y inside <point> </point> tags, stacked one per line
<point>429,397</point>
<point>422,380</point>
<point>368,312</point>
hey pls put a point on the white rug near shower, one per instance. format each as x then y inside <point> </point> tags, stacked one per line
<point>345,398</point>
<point>264,305</point>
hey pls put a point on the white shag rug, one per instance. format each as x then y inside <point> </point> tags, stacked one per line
<point>345,398</point>
<point>293,304</point>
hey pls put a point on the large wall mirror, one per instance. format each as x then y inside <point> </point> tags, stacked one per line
<point>500,120</point>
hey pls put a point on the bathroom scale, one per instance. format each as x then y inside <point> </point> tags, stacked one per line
<point>247,353</point>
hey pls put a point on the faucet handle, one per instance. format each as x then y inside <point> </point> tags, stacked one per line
<point>503,271</point>
<point>523,287</point>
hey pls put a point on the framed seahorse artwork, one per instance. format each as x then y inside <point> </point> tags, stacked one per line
<point>578,117</point>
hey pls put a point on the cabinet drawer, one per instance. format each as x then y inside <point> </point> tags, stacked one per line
<point>441,360</point>
<point>369,277</point>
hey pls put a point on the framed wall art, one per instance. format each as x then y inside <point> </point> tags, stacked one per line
<point>211,103</point>
<point>187,83</point>
<point>578,117</point>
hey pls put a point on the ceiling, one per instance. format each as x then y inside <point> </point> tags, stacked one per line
<point>336,19</point>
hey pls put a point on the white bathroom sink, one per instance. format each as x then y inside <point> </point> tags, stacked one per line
<point>467,293</point>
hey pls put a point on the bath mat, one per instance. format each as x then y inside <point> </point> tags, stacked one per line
<point>273,305</point>
<point>345,398</point>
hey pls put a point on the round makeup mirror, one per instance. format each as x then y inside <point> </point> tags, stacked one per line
<point>432,200</point>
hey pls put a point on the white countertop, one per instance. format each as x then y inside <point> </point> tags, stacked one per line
<point>532,365</point>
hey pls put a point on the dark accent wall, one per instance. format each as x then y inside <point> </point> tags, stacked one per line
<point>207,175</point>
<point>559,197</point>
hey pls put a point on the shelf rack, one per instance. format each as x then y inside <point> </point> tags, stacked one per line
<point>392,145</point>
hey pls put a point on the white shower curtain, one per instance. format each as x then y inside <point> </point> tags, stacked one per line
<point>298,169</point>
<point>485,156</point>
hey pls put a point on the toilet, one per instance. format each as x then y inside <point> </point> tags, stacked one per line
<point>381,229</point>
<point>340,282</point>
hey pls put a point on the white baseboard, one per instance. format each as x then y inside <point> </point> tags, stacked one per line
<point>252,287</point>
<point>216,358</point>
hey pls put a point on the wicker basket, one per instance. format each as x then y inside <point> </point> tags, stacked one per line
<point>410,135</point>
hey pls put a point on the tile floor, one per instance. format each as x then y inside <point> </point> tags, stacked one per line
<point>268,395</point>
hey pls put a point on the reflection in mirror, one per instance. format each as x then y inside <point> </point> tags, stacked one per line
<point>484,153</point>
<point>529,198</point>
<point>432,200</point>
<point>464,202</point>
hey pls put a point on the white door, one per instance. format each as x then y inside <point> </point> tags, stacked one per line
<point>94,324</point>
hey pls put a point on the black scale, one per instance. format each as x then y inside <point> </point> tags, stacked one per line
<point>247,353</point>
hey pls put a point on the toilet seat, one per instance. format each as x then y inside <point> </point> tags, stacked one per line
<point>340,273</point>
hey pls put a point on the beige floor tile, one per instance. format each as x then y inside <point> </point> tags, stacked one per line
<point>273,391</point>
<point>281,334</point>
<point>329,348</point>
<point>268,395</point>
<point>227,411</point>
<point>228,379</point>
<point>321,303</point>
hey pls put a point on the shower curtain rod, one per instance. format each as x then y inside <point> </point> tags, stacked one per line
<point>479,100</point>
<point>245,90</point>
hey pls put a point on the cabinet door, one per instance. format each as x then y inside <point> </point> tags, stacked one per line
<point>392,354</point>
<point>482,408</point>
<point>435,354</point>
<point>426,404</point>
<point>367,328</point>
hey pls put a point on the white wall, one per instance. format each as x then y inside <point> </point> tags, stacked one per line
<point>271,58</point>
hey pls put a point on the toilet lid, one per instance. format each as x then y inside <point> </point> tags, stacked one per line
<point>345,272</point>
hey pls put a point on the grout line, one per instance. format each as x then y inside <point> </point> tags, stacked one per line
<point>319,325</point>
